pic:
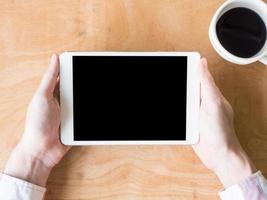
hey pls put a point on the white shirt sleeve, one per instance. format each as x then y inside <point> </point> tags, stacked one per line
<point>16,189</point>
<point>252,188</point>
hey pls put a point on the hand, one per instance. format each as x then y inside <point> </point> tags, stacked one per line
<point>219,148</point>
<point>40,149</point>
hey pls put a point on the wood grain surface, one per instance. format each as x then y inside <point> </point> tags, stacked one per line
<point>31,30</point>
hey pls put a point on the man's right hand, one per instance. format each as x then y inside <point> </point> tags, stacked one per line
<point>218,147</point>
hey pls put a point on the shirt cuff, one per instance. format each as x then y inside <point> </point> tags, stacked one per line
<point>253,187</point>
<point>13,187</point>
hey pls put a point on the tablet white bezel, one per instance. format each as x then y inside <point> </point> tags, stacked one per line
<point>66,98</point>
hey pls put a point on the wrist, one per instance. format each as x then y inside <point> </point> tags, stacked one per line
<point>235,167</point>
<point>26,167</point>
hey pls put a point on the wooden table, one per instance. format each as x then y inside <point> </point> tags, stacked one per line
<point>31,30</point>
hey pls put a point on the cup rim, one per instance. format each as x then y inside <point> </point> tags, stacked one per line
<point>218,46</point>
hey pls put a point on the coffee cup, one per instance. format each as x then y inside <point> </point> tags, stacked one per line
<point>257,7</point>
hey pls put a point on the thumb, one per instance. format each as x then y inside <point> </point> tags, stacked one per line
<point>209,88</point>
<point>49,80</point>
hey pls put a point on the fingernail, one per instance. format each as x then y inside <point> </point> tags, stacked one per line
<point>204,62</point>
<point>53,57</point>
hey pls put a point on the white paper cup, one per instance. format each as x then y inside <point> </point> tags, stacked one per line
<point>260,8</point>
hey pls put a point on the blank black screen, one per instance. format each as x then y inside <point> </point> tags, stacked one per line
<point>129,98</point>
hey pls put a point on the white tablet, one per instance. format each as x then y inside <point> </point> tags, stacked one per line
<point>129,98</point>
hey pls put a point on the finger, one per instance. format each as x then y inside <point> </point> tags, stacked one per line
<point>209,88</point>
<point>56,90</point>
<point>49,80</point>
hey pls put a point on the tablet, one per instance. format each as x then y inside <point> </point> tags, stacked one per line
<point>129,98</point>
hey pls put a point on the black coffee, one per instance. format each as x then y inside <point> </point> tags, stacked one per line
<point>242,32</point>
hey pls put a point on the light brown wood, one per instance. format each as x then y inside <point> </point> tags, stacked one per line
<point>31,30</point>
